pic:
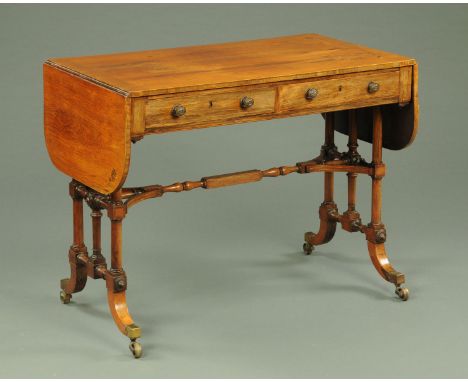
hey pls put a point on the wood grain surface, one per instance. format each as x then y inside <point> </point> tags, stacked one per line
<point>400,120</point>
<point>95,105</point>
<point>208,107</point>
<point>87,130</point>
<point>190,68</point>
<point>349,91</point>
<point>283,99</point>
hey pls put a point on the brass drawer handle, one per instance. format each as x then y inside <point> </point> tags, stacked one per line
<point>178,111</point>
<point>373,87</point>
<point>246,102</point>
<point>311,93</point>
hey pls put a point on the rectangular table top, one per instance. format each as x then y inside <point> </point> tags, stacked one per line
<point>95,106</point>
<point>164,71</point>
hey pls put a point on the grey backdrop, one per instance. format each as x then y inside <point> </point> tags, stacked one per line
<point>217,280</point>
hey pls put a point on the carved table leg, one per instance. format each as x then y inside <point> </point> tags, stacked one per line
<point>116,280</point>
<point>78,274</point>
<point>375,230</point>
<point>351,220</point>
<point>97,263</point>
<point>328,211</point>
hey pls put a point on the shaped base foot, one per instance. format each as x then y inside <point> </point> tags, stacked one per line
<point>328,217</point>
<point>78,274</point>
<point>383,266</point>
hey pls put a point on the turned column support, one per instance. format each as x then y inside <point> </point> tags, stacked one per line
<point>375,231</point>
<point>351,220</point>
<point>78,274</point>
<point>97,263</point>
<point>116,279</point>
<point>116,213</point>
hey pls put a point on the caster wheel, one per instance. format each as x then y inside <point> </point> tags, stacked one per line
<point>136,349</point>
<point>308,248</point>
<point>403,293</point>
<point>65,297</point>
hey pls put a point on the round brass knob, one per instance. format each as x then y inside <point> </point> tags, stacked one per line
<point>246,102</point>
<point>178,111</point>
<point>373,87</point>
<point>311,93</point>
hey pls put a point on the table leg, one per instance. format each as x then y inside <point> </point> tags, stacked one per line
<point>116,280</point>
<point>96,263</point>
<point>375,230</point>
<point>351,219</point>
<point>78,273</point>
<point>328,211</point>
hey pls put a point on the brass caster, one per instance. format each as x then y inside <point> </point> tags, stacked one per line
<point>65,297</point>
<point>308,248</point>
<point>135,348</point>
<point>403,293</point>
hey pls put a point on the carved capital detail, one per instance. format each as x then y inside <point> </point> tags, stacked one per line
<point>376,233</point>
<point>75,252</point>
<point>328,211</point>
<point>353,157</point>
<point>351,221</point>
<point>76,190</point>
<point>329,153</point>
<point>97,201</point>
<point>116,280</point>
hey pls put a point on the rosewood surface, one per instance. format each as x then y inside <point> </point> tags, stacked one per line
<point>95,106</point>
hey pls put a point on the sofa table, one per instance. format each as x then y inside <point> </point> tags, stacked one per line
<point>95,107</point>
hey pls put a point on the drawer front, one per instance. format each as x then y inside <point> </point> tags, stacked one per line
<point>192,110</point>
<point>206,108</point>
<point>346,91</point>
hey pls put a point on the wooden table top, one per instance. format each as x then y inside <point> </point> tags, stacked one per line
<point>94,106</point>
<point>163,71</point>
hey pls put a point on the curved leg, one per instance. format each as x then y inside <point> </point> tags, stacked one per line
<point>78,273</point>
<point>328,217</point>
<point>119,309</point>
<point>382,264</point>
<point>116,279</point>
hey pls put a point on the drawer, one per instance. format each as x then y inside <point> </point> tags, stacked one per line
<point>340,92</point>
<point>197,109</point>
